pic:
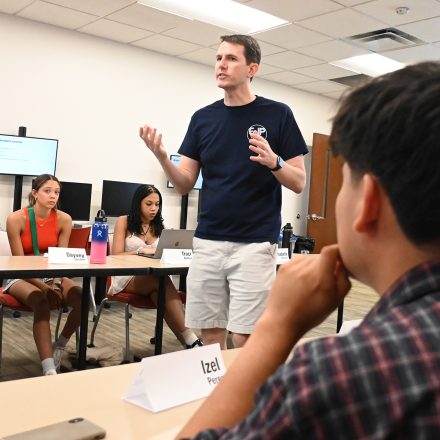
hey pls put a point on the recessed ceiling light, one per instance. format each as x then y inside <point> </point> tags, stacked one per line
<point>223,13</point>
<point>371,64</point>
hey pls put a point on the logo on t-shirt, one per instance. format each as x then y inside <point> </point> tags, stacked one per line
<point>259,129</point>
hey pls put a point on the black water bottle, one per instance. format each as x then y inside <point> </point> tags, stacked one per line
<point>287,235</point>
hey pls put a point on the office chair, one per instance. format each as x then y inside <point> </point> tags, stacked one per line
<point>129,299</point>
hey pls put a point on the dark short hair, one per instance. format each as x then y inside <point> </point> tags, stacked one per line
<point>390,127</point>
<point>37,183</point>
<point>252,51</point>
<point>134,221</point>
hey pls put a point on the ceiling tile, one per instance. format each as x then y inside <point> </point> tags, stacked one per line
<point>198,33</point>
<point>322,87</point>
<point>332,50</point>
<point>56,15</point>
<point>13,6</point>
<point>288,78</point>
<point>416,54</point>
<point>291,36</point>
<point>385,10</point>
<point>324,71</point>
<point>290,60</point>
<point>168,45</point>
<point>95,7</point>
<point>351,2</point>
<point>114,31</point>
<point>293,10</point>
<point>293,54</point>
<point>426,30</point>
<point>265,69</point>
<point>204,56</point>
<point>146,18</point>
<point>343,23</point>
<point>269,49</point>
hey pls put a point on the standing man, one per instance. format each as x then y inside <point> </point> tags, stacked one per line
<point>247,146</point>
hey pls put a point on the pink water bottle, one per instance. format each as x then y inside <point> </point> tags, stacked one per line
<point>98,249</point>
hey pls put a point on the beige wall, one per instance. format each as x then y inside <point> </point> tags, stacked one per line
<point>93,94</point>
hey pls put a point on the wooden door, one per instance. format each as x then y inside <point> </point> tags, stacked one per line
<point>325,182</point>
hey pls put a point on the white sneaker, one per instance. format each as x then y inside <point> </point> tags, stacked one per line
<point>57,355</point>
<point>50,372</point>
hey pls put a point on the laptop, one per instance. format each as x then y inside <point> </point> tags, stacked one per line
<point>172,239</point>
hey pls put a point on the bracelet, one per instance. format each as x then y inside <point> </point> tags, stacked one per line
<point>138,250</point>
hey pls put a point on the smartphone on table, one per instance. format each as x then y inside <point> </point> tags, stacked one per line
<point>74,429</point>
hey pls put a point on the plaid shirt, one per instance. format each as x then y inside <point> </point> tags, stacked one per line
<point>382,380</point>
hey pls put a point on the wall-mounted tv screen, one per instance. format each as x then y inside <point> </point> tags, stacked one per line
<point>175,159</point>
<point>116,197</point>
<point>27,156</point>
<point>75,199</point>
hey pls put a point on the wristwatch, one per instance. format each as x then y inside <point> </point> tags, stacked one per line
<point>280,164</point>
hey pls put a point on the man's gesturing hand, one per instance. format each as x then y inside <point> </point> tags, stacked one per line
<point>153,141</point>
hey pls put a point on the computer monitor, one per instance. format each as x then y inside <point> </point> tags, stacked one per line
<point>75,199</point>
<point>116,197</point>
<point>175,159</point>
<point>27,156</point>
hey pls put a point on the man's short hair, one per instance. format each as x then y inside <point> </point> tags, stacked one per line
<point>390,128</point>
<point>252,51</point>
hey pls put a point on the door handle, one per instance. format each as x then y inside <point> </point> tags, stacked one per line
<point>314,217</point>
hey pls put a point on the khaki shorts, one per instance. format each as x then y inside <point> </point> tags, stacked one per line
<point>228,284</point>
<point>11,282</point>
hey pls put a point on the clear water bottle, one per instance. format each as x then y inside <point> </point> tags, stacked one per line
<point>292,245</point>
<point>98,249</point>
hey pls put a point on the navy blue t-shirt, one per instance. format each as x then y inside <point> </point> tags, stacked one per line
<point>241,199</point>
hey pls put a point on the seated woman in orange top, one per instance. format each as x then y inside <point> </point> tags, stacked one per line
<point>53,229</point>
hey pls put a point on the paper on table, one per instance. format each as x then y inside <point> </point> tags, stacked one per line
<point>172,379</point>
<point>176,256</point>
<point>60,255</point>
<point>348,326</point>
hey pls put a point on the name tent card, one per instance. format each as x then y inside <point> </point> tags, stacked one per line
<point>59,255</point>
<point>282,255</point>
<point>172,379</point>
<point>176,256</point>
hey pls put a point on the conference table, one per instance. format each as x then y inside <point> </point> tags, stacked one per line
<point>38,267</point>
<point>92,394</point>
